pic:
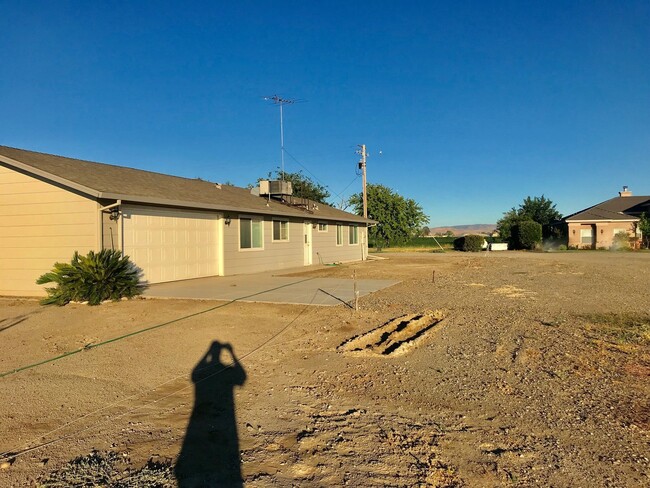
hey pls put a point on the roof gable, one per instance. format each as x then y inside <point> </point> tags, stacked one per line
<point>107,181</point>
<point>618,208</point>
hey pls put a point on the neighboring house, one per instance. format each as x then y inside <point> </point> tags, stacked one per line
<point>595,227</point>
<point>173,228</point>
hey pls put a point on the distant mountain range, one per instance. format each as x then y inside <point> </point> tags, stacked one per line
<point>460,230</point>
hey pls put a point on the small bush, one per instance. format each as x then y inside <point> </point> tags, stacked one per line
<point>621,241</point>
<point>106,275</point>
<point>469,243</point>
<point>562,247</point>
<point>527,234</point>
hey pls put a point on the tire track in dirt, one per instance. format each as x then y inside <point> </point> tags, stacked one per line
<point>394,338</point>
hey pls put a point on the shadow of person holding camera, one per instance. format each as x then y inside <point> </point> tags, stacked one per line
<point>210,453</point>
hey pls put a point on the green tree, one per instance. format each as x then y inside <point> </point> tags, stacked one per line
<point>506,223</point>
<point>399,218</point>
<point>527,234</point>
<point>538,209</point>
<point>303,186</point>
<point>644,227</point>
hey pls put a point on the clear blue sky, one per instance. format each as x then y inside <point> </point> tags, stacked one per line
<point>473,105</point>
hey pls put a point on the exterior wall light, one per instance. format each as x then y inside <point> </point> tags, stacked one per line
<point>115,214</point>
<point>228,220</point>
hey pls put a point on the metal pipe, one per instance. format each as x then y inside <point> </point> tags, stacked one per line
<point>112,205</point>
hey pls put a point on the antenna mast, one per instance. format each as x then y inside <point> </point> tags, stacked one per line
<point>362,167</point>
<point>277,100</point>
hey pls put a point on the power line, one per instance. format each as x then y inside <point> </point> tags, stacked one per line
<point>13,454</point>
<point>278,100</point>
<point>336,194</point>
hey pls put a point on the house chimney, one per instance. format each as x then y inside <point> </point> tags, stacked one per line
<point>625,192</point>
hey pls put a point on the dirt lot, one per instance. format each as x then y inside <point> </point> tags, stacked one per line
<point>511,369</point>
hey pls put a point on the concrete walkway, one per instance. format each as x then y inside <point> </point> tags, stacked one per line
<point>266,288</point>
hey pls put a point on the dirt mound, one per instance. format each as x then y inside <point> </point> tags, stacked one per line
<point>394,338</point>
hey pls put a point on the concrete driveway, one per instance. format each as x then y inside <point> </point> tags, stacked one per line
<point>266,288</point>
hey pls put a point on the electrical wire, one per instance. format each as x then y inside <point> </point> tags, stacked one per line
<point>338,195</point>
<point>13,454</point>
<point>137,332</point>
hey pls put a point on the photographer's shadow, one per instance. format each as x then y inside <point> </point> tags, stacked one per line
<point>210,453</point>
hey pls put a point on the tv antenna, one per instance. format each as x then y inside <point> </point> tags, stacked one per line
<point>362,166</point>
<point>278,100</point>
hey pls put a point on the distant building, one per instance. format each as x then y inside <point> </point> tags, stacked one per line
<point>595,227</point>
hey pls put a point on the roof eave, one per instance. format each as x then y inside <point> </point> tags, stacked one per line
<point>631,219</point>
<point>47,175</point>
<point>226,208</point>
<point>94,193</point>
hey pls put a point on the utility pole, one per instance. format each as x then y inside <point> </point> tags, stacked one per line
<point>362,167</point>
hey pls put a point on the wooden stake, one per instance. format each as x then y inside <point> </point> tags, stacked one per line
<point>433,276</point>
<point>356,291</point>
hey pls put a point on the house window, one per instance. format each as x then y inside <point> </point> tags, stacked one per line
<point>618,231</point>
<point>280,230</point>
<point>354,235</point>
<point>586,236</point>
<point>339,235</point>
<point>250,233</point>
<point>322,227</point>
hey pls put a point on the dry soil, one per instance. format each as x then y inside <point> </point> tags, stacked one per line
<point>500,369</point>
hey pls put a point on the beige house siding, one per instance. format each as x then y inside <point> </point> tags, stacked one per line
<point>329,252</point>
<point>40,224</point>
<point>602,233</point>
<point>274,255</point>
<point>171,244</point>
<point>110,232</point>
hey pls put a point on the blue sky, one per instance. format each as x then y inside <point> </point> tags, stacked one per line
<point>466,107</point>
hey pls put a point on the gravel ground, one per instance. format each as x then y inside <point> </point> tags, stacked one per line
<point>500,369</point>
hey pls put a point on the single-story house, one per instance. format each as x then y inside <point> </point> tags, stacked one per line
<point>596,226</point>
<point>172,228</point>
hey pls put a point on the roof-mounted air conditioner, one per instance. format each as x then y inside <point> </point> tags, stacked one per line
<point>275,187</point>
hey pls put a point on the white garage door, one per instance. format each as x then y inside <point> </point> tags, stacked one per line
<point>171,244</point>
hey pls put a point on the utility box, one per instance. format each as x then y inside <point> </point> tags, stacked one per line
<point>499,246</point>
<point>275,187</point>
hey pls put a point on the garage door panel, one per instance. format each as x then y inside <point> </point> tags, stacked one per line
<point>171,244</point>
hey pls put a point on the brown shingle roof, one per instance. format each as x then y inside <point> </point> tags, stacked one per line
<point>618,208</point>
<point>111,182</point>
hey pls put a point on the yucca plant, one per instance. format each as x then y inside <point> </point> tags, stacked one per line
<point>106,275</point>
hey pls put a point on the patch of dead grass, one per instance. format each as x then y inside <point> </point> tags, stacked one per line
<point>622,329</point>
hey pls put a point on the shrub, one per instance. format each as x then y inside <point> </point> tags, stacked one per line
<point>621,241</point>
<point>527,235</point>
<point>106,275</point>
<point>562,247</point>
<point>469,243</point>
